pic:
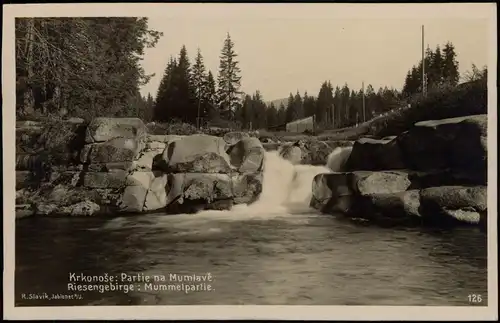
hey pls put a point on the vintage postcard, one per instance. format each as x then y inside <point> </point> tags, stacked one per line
<point>250,161</point>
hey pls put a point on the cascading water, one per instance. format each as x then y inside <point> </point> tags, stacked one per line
<point>286,188</point>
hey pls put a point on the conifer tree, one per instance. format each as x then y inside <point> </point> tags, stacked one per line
<point>210,110</point>
<point>229,79</point>
<point>184,94</point>
<point>271,116</point>
<point>451,74</point>
<point>199,82</point>
<point>289,108</point>
<point>436,68</point>
<point>281,117</point>
<point>163,104</point>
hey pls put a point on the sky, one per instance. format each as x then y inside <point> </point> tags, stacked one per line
<point>283,48</point>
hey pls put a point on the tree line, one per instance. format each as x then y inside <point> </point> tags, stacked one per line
<point>189,93</point>
<point>441,67</point>
<point>81,67</point>
<point>87,67</point>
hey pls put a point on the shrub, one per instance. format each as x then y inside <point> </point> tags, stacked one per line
<point>172,128</point>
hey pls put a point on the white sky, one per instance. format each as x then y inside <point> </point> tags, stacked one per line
<point>283,48</point>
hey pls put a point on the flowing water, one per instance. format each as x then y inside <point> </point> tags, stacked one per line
<point>276,251</point>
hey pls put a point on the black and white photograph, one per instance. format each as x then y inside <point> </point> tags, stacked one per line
<point>225,156</point>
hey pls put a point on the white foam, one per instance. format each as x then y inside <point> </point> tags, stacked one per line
<point>286,188</point>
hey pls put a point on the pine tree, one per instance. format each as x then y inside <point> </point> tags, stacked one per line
<point>345,94</point>
<point>163,104</point>
<point>309,105</point>
<point>245,115</point>
<point>79,66</point>
<point>184,95</point>
<point>199,82</point>
<point>289,109</point>
<point>337,103</point>
<point>210,110</point>
<point>281,117</point>
<point>450,65</point>
<point>436,68</point>
<point>259,111</point>
<point>229,80</point>
<point>271,116</point>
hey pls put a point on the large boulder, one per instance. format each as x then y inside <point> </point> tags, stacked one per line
<point>374,155</point>
<point>233,137</point>
<point>134,194</point>
<point>196,154</point>
<point>156,197</point>
<point>450,204</point>
<point>314,152</point>
<point>247,187</point>
<point>247,155</point>
<point>456,143</point>
<point>84,208</point>
<point>115,179</point>
<point>112,151</point>
<point>190,192</point>
<point>291,153</point>
<point>397,208</point>
<point>337,192</point>
<point>105,129</point>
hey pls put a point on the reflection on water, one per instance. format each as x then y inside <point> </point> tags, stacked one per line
<point>279,259</point>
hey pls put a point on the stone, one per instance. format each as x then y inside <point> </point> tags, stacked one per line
<point>111,166</point>
<point>198,188</point>
<point>154,145</point>
<point>132,199</point>
<point>314,152</point>
<point>247,155</point>
<point>75,120</point>
<point>45,208</point>
<point>23,179</point>
<point>456,143</point>
<point>146,158</point>
<point>233,137</point>
<point>381,182</point>
<point>24,211</point>
<point>337,191</point>
<point>196,154</point>
<point>247,187</point>
<point>156,197</point>
<point>399,208</point>
<point>449,205</point>
<point>69,178</point>
<point>115,179</point>
<point>338,158</point>
<point>291,153</point>
<point>115,150</point>
<point>374,155</point>
<point>84,208</point>
<point>104,129</point>
<point>143,179</point>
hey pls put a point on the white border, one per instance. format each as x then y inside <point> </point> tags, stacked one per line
<point>275,10</point>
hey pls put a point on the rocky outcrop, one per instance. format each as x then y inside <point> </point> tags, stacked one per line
<point>433,174</point>
<point>119,168</point>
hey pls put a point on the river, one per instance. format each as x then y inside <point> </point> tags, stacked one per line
<point>276,251</point>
